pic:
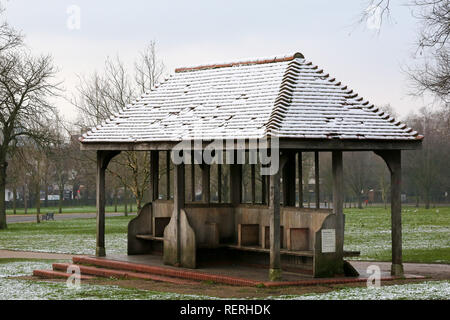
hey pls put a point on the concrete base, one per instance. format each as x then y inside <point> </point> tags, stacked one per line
<point>100,252</point>
<point>397,270</point>
<point>275,274</point>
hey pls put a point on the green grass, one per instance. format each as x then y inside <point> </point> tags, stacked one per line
<point>77,209</point>
<point>75,236</point>
<point>426,234</point>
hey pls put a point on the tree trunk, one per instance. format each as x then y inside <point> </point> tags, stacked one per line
<point>3,166</point>
<point>14,199</point>
<point>46,195</point>
<point>360,201</point>
<point>38,203</point>
<point>25,200</point>
<point>427,200</point>
<point>61,199</point>
<point>125,198</point>
<point>115,199</point>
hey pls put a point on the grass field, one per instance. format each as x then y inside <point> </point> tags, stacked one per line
<point>426,234</point>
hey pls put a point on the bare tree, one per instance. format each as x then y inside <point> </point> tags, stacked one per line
<point>25,86</point>
<point>432,72</point>
<point>103,95</point>
<point>148,69</point>
<point>357,173</point>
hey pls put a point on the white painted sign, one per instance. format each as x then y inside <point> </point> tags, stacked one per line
<point>328,240</point>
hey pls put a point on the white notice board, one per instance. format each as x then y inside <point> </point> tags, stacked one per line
<point>328,240</point>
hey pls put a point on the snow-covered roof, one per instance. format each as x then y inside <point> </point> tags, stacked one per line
<point>285,96</point>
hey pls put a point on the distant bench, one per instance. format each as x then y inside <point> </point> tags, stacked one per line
<point>48,216</point>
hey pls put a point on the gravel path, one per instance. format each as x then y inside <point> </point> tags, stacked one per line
<point>65,216</point>
<point>436,271</point>
<point>10,254</point>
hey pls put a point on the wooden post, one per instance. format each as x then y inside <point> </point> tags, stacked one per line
<point>338,203</point>
<point>300,179</point>
<point>206,186</point>
<point>178,202</point>
<point>103,159</point>
<point>253,181</point>
<point>317,179</point>
<point>393,161</point>
<point>236,183</point>
<point>168,175</point>
<point>192,176</point>
<point>274,209</point>
<point>275,234</point>
<point>289,180</point>
<point>263,189</point>
<point>219,183</point>
<point>154,175</point>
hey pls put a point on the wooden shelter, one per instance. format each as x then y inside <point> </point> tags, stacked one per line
<point>287,101</point>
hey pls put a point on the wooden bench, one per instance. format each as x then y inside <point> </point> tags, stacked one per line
<point>48,216</point>
<point>306,253</point>
<point>149,237</point>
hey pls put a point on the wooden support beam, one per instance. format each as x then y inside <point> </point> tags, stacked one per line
<point>219,183</point>
<point>167,175</point>
<point>317,179</point>
<point>274,209</point>
<point>338,200</point>
<point>236,183</point>
<point>192,176</point>
<point>178,202</point>
<point>154,175</point>
<point>263,189</point>
<point>393,161</point>
<point>103,159</point>
<point>253,181</point>
<point>206,183</point>
<point>289,180</point>
<point>300,178</point>
<point>275,234</point>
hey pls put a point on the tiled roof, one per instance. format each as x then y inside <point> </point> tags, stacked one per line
<point>287,96</point>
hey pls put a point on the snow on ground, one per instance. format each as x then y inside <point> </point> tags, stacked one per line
<point>430,290</point>
<point>18,289</point>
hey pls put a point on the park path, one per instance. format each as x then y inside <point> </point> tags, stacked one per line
<point>434,270</point>
<point>64,216</point>
<point>10,254</point>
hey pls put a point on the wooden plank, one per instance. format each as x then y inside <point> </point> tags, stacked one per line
<point>154,175</point>
<point>206,183</point>
<point>274,211</point>
<point>219,183</point>
<point>317,179</point>
<point>253,182</point>
<point>338,199</point>
<point>302,144</point>
<point>259,249</point>
<point>103,159</point>
<point>300,178</point>
<point>167,175</point>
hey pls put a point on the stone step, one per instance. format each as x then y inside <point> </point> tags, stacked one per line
<point>53,274</point>
<point>121,274</point>
<point>163,271</point>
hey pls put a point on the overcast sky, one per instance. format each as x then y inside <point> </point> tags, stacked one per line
<point>197,32</point>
